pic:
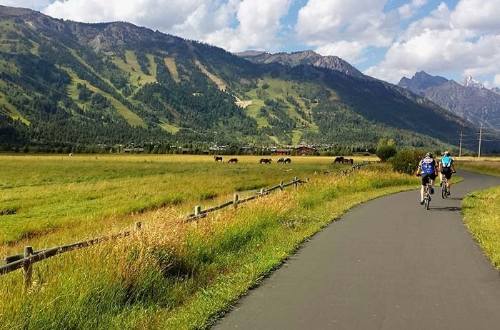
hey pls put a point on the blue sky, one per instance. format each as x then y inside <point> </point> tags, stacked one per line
<point>387,39</point>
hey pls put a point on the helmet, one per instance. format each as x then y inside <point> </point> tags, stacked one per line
<point>446,153</point>
<point>429,154</point>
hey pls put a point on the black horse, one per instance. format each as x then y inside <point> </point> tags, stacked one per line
<point>233,161</point>
<point>339,160</point>
<point>265,161</point>
<point>218,158</point>
<point>284,160</point>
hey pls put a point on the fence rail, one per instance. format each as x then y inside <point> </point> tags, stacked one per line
<point>30,256</point>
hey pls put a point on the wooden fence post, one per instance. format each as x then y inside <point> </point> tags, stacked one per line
<point>197,210</point>
<point>262,191</point>
<point>28,267</point>
<point>138,226</point>
<point>296,182</point>
<point>236,200</point>
<point>281,186</point>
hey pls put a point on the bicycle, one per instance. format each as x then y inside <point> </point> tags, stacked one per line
<point>445,190</point>
<point>427,195</point>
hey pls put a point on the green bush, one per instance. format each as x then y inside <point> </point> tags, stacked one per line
<point>406,160</point>
<point>385,152</point>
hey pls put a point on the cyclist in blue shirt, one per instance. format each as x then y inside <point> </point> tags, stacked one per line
<point>427,168</point>
<point>446,169</point>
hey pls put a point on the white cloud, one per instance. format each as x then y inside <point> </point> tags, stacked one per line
<point>259,25</point>
<point>324,21</point>
<point>350,51</point>
<point>408,10</point>
<point>442,43</point>
<point>232,24</point>
<point>34,4</point>
<point>482,15</point>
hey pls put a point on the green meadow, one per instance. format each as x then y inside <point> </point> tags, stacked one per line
<point>172,274</point>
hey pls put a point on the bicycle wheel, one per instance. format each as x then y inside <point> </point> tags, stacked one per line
<point>443,191</point>
<point>427,203</point>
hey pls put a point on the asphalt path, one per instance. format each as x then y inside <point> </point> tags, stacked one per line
<point>387,264</point>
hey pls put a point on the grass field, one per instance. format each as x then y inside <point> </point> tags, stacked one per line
<point>173,274</point>
<point>489,166</point>
<point>48,200</point>
<point>482,218</point>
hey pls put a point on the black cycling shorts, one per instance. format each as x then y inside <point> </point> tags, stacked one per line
<point>427,177</point>
<point>446,171</point>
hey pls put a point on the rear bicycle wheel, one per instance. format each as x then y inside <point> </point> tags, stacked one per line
<point>427,203</point>
<point>444,192</point>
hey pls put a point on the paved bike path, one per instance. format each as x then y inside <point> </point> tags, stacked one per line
<point>387,264</point>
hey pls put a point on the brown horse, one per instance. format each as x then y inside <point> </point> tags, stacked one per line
<point>265,161</point>
<point>218,158</point>
<point>339,160</point>
<point>233,161</point>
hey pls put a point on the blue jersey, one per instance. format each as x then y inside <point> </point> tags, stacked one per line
<point>428,165</point>
<point>446,161</point>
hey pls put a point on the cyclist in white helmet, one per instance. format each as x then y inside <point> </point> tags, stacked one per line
<point>427,168</point>
<point>446,169</point>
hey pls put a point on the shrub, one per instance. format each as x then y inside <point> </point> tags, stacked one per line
<point>385,152</point>
<point>406,160</point>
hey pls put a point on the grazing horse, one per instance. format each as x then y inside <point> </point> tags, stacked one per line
<point>284,160</point>
<point>218,158</point>
<point>233,161</point>
<point>339,160</point>
<point>265,161</point>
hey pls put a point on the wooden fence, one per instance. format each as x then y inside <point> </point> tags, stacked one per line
<point>26,260</point>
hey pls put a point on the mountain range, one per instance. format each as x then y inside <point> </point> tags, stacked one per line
<point>66,84</point>
<point>470,100</point>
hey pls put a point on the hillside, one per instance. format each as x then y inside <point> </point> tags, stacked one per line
<point>471,100</point>
<point>69,85</point>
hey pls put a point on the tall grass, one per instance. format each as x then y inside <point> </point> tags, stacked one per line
<point>482,218</point>
<point>489,166</point>
<point>182,275</point>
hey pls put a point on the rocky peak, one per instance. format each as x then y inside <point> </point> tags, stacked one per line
<point>307,57</point>
<point>471,82</point>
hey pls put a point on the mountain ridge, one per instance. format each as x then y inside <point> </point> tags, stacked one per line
<point>470,100</point>
<point>66,83</point>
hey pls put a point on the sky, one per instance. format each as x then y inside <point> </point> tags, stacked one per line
<point>387,39</point>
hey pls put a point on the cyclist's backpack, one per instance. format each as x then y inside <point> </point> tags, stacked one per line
<point>446,161</point>
<point>428,166</point>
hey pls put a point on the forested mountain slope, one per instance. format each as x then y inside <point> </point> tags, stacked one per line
<point>64,83</point>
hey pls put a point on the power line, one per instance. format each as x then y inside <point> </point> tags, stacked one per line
<point>480,137</point>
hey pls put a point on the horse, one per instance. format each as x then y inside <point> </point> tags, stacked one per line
<point>265,161</point>
<point>218,158</point>
<point>348,161</point>
<point>233,161</point>
<point>284,160</point>
<point>339,160</point>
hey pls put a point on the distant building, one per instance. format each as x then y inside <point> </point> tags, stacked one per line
<point>306,150</point>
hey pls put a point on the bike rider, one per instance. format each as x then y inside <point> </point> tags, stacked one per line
<point>428,169</point>
<point>446,169</point>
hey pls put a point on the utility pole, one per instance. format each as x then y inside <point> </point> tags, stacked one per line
<point>460,147</point>
<point>480,140</point>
